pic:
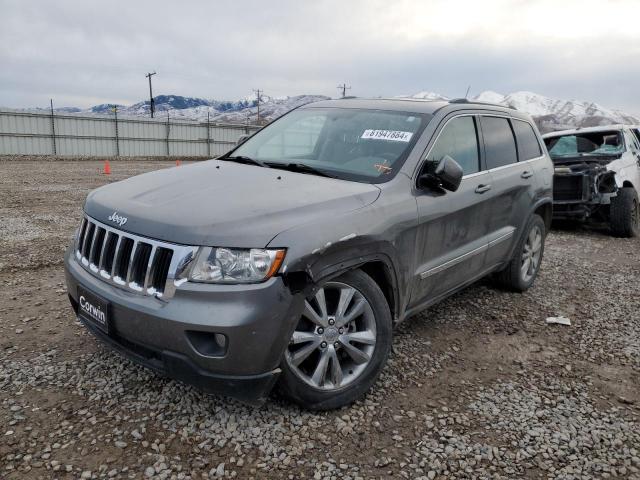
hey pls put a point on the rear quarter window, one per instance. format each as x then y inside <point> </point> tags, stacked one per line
<point>499,143</point>
<point>528,145</point>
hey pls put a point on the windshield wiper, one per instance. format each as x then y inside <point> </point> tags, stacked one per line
<point>301,168</point>
<point>246,160</point>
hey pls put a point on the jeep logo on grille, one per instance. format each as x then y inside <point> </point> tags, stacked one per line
<point>119,219</point>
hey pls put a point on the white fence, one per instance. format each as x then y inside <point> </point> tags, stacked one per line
<point>26,133</point>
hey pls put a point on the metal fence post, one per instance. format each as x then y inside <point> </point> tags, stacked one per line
<point>208,137</point>
<point>53,129</point>
<point>168,130</point>
<point>115,112</point>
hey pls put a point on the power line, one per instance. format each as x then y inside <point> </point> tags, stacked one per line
<point>151,102</point>
<point>344,89</point>
<point>259,94</point>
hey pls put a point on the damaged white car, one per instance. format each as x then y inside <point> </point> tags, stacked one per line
<point>597,176</point>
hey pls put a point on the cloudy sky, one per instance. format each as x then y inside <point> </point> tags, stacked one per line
<point>82,52</point>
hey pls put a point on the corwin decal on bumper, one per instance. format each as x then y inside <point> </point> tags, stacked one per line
<point>95,312</point>
<point>119,219</point>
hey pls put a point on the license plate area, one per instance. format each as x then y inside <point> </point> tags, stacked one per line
<point>94,309</point>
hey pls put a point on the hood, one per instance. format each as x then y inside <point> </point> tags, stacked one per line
<point>221,203</point>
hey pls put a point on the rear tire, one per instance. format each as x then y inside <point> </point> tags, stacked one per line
<point>624,216</point>
<point>340,345</point>
<point>523,268</point>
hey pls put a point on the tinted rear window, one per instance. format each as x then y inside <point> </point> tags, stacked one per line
<point>528,145</point>
<point>499,144</point>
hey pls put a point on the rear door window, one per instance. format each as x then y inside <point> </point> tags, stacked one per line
<point>528,145</point>
<point>499,143</point>
<point>459,140</point>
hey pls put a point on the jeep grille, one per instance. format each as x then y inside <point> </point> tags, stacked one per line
<point>129,261</point>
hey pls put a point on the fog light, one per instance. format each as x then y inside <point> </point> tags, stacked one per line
<point>208,344</point>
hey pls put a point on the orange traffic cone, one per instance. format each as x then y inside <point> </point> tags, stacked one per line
<point>107,168</point>
<point>178,163</point>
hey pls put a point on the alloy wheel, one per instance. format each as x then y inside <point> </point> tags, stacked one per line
<point>335,338</point>
<point>531,254</point>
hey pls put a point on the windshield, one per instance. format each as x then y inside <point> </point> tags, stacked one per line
<point>579,144</point>
<point>352,144</point>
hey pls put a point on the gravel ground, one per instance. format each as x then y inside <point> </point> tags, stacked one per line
<point>477,387</point>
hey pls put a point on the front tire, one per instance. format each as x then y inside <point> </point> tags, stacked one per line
<point>340,345</point>
<point>624,215</point>
<point>523,268</point>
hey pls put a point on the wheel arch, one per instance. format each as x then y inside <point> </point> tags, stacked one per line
<point>379,266</point>
<point>545,210</point>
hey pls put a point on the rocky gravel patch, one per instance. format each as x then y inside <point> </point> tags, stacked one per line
<point>477,387</point>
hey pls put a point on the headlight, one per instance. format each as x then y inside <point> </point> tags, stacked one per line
<point>232,265</point>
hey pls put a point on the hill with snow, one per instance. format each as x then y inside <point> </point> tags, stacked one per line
<point>549,113</point>
<point>190,108</point>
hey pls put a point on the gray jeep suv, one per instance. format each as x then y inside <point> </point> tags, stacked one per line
<point>291,258</point>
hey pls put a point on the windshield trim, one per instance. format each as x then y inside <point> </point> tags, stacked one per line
<point>350,176</point>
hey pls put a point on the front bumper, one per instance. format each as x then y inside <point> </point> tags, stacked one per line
<point>177,337</point>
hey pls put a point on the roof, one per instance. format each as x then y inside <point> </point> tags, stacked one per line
<point>601,128</point>
<point>412,105</point>
<point>397,104</point>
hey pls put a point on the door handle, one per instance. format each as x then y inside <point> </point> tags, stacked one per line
<point>483,188</point>
<point>527,174</point>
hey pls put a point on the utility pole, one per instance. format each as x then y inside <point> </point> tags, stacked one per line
<point>259,94</point>
<point>151,104</point>
<point>344,89</point>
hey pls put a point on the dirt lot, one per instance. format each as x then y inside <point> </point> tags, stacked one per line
<point>477,387</point>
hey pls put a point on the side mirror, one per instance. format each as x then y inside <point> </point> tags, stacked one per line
<point>447,174</point>
<point>242,139</point>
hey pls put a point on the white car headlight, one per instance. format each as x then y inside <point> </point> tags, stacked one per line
<point>233,265</point>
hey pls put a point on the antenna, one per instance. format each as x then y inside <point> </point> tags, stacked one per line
<point>466,95</point>
<point>344,89</point>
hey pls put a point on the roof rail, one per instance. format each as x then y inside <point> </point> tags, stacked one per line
<point>474,102</point>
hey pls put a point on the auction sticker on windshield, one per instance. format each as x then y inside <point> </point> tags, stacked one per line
<point>392,135</point>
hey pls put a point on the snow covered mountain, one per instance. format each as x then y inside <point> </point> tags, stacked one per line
<point>549,113</point>
<point>189,108</point>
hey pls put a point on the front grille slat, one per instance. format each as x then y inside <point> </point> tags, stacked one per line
<point>96,247</point>
<point>80,239</point>
<point>100,252</point>
<point>161,269</point>
<point>113,259</point>
<point>132,258</point>
<point>140,264</point>
<point>129,261</point>
<point>92,247</point>
<point>147,275</point>
<point>108,250</point>
<point>88,238</point>
<point>123,258</point>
